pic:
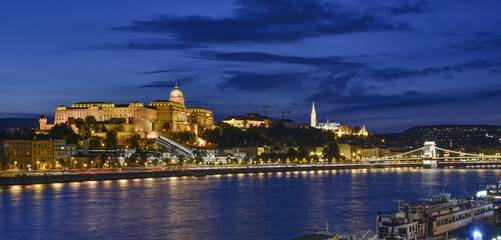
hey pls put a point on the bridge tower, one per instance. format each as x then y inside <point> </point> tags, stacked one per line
<point>429,150</point>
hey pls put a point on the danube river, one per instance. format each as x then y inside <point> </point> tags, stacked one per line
<point>242,206</point>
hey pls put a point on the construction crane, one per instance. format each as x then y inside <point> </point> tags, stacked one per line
<point>266,107</point>
<point>285,116</point>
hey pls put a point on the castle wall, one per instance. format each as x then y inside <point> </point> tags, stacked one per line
<point>62,115</point>
<point>170,111</point>
<point>139,119</point>
<point>200,116</point>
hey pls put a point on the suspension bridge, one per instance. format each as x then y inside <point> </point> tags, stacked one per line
<point>430,154</point>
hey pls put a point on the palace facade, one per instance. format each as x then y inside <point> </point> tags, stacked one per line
<point>137,118</point>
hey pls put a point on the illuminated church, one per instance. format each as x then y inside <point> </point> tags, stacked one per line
<point>137,118</point>
<point>338,128</point>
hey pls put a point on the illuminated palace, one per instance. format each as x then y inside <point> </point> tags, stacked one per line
<point>338,128</point>
<point>136,118</point>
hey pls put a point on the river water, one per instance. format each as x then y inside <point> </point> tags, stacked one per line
<point>240,206</point>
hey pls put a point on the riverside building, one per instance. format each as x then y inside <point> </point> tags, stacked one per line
<point>33,151</point>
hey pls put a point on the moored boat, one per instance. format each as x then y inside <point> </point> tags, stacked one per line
<point>432,218</point>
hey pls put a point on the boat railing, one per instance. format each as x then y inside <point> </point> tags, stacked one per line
<point>391,219</point>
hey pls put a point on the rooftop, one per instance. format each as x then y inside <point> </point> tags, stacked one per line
<point>248,116</point>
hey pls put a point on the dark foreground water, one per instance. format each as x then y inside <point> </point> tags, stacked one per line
<point>243,206</point>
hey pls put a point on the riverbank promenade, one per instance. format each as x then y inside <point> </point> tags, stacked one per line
<point>45,177</point>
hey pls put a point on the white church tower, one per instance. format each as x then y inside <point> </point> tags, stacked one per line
<point>313,116</point>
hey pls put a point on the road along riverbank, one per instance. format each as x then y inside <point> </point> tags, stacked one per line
<point>204,171</point>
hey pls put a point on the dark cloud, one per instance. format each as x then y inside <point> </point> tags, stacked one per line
<point>270,58</point>
<point>390,74</point>
<point>362,100</point>
<point>359,99</point>
<point>167,84</point>
<point>149,46</point>
<point>158,71</point>
<point>378,102</point>
<point>416,7</point>
<point>351,87</point>
<point>250,81</point>
<point>481,41</point>
<point>487,94</point>
<point>331,86</point>
<point>265,21</point>
<point>198,103</point>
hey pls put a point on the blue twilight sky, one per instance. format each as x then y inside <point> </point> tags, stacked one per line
<point>389,65</point>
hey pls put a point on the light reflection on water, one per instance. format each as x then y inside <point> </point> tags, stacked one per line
<point>237,206</point>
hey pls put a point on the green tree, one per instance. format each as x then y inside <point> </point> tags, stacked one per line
<point>180,160</point>
<point>184,137</point>
<point>83,129</point>
<point>90,120</point>
<point>111,140</point>
<point>95,142</point>
<point>134,141</point>
<point>331,150</point>
<point>65,132</point>
<point>166,127</point>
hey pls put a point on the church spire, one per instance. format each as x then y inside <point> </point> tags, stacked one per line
<point>176,84</point>
<point>313,116</point>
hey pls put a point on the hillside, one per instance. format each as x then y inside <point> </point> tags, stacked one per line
<point>456,136</point>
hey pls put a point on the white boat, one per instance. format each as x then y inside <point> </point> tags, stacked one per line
<point>435,217</point>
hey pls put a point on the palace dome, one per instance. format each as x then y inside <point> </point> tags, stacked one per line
<point>176,96</point>
<point>176,93</point>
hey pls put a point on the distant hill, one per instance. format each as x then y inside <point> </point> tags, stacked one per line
<point>455,136</point>
<point>18,123</point>
<point>459,129</point>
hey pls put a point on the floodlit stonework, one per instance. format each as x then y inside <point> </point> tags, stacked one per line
<point>338,128</point>
<point>137,118</point>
